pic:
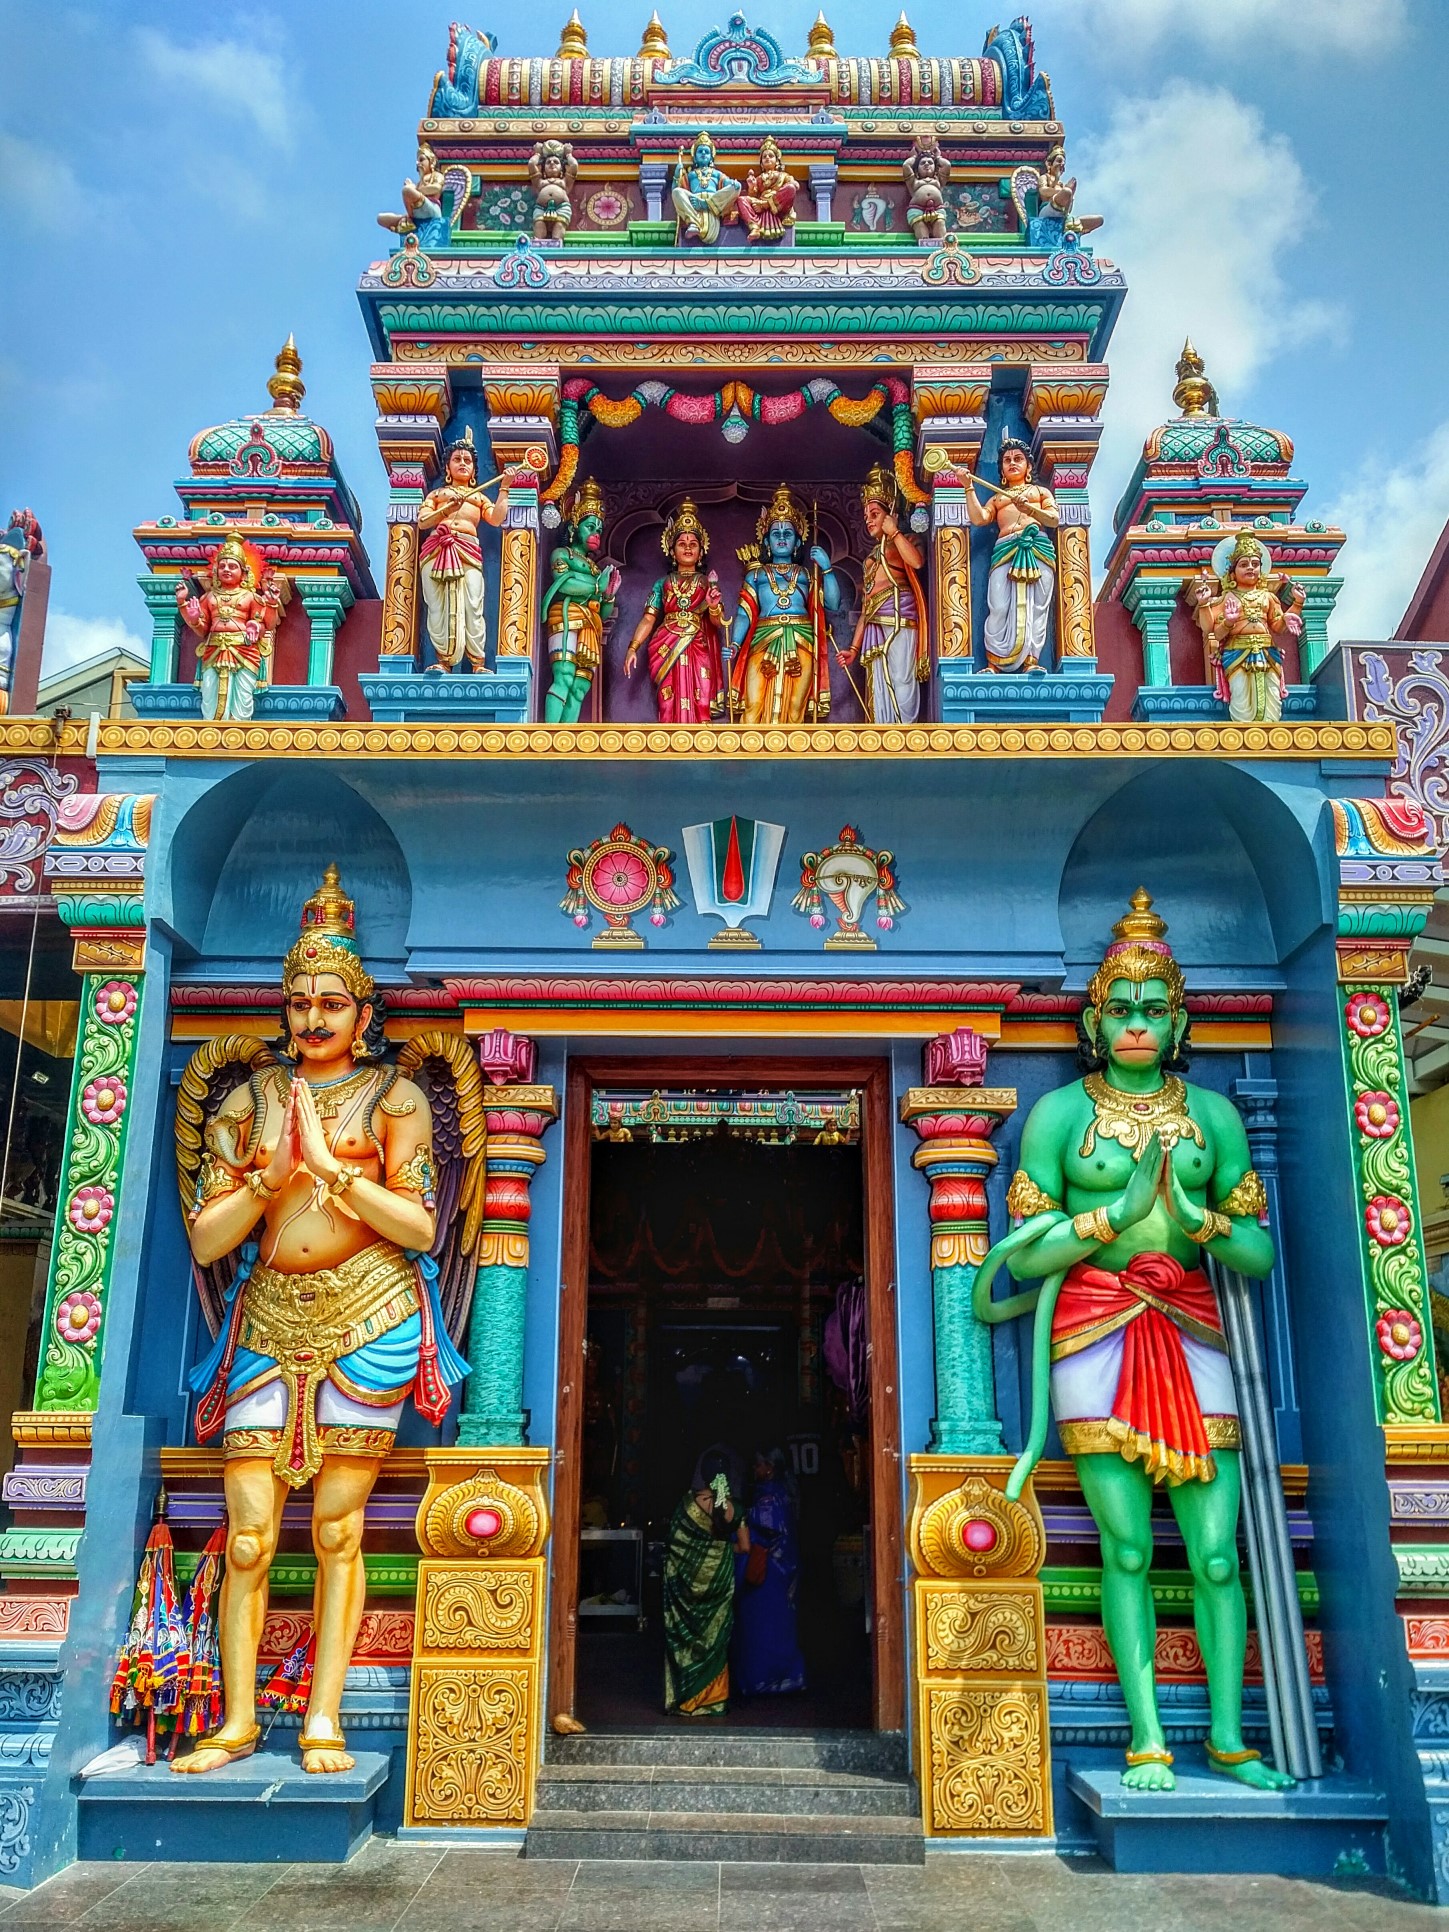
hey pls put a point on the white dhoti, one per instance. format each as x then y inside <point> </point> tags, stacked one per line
<point>889,653</point>
<point>457,626</point>
<point>1018,613</point>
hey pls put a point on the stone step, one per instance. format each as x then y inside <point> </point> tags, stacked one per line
<point>878,1754</point>
<point>727,1789</point>
<point>767,1837</point>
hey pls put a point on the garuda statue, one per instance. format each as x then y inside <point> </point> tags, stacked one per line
<point>334,1205</point>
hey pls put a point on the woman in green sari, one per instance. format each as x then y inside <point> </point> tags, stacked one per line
<point>699,1591</point>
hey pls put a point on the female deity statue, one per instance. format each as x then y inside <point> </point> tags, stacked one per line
<point>780,671</point>
<point>1128,1176</point>
<point>450,566</point>
<point>310,1197</point>
<point>578,607</point>
<point>1241,620</point>
<point>703,196</point>
<point>1023,574</point>
<point>927,172</point>
<point>552,171</point>
<point>767,204</point>
<point>890,634</point>
<point>684,626</point>
<point>234,618</point>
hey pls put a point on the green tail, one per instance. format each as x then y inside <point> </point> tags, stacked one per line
<point>1044,1301</point>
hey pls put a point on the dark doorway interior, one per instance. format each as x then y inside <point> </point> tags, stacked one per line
<point>724,1306</point>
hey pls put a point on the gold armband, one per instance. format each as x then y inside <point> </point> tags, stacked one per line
<point>1213,1225</point>
<point>1093,1225</point>
<point>1025,1198</point>
<point>256,1181</point>
<point>1249,1197</point>
<point>416,1174</point>
<point>215,1178</point>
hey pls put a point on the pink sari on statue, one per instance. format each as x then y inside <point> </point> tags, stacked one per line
<point>685,662</point>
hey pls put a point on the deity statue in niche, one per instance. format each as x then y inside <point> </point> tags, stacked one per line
<point>552,171</point>
<point>890,634</point>
<point>233,612</point>
<point>1242,620</point>
<point>927,171</point>
<point>450,561</point>
<point>684,626</point>
<point>703,195</point>
<point>1023,573</point>
<point>578,607</point>
<point>19,544</point>
<point>1127,1176</point>
<point>310,1195</point>
<point>780,670</point>
<point>767,201</point>
<point>422,199</point>
<point>1053,226</point>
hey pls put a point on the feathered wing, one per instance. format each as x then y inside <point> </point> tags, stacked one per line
<point>445,1066</point>
<point>1024,182</point>
<point>212,1072</point>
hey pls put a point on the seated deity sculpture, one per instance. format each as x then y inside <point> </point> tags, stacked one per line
<point>703,195</point>
<point>767,201</point>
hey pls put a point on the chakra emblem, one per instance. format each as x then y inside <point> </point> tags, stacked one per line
<point>619,876</point>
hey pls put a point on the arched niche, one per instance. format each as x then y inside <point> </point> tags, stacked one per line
<point>248,854</point>
<point>1228,864</point>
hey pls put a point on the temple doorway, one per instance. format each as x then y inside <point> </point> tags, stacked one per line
<point>726,1322</point>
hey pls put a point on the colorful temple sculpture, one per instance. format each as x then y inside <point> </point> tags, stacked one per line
<point>997,1335</point>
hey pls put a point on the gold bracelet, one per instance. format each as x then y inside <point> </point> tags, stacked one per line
<point>1093,1225</point>
<point>1213,1225</point>
<point>257,1182</point>
<point>345,1177</point>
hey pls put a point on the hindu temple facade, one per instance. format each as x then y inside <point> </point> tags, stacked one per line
<point>736,799</point>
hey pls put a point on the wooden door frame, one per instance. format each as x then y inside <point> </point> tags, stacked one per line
<point>887,1553</point>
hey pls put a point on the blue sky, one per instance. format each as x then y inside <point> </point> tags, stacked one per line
<point>185,185</point>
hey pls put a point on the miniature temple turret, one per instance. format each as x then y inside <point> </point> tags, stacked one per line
<point>269,542</point>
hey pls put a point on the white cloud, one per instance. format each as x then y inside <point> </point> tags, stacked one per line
<point>72,640</point>
<point>1247,28</point>
<point>1204,200</point>
<point>226,75</point>
<point>1393,516</point>
<point>40,190</point>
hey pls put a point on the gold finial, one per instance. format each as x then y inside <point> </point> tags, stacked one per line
<point>821,43</point>
<point>1141,922</point>
<point>286,388</point>
<point>1194,394</point>
<point>573,42</point>
<point>1139,952</point>
<point>903,41</point>
<point>655,44</point>
<point>328,941</point>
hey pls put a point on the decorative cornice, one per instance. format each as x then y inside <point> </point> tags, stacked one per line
<point>165,739</point>
<point>52,1428</point>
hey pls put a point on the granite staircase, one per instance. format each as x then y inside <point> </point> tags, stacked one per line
<point>827,1797</point>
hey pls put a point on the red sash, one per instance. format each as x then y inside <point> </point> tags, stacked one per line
<point>448,552</point>
<point>1155,1415</point>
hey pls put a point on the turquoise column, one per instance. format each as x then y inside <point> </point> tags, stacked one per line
<point>1150,602</point>
<point>955,1125</point>
<point>517,1118</point>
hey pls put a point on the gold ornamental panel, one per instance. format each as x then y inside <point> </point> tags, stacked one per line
<point>484,1503</point>
<point>481,1608</point>
<point>471,1748</point>
<point>988,1762</point>
<point>973,1530</point>
<point>988,1630</point>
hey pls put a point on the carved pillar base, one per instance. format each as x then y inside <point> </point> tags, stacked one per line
<point>982,1726</point>
<point>475,1709</point>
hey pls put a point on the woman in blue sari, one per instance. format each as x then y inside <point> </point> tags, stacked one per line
<point>767,1575</point>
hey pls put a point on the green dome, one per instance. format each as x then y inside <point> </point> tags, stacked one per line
<point>292,437</point>
<point>1188,439</point>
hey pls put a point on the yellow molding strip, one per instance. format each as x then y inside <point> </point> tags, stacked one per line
<point>1416,1441</point>
<point>119,738</point>
<point>56,1428</point>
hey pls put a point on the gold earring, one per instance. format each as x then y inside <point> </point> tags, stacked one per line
<point>360,1049</point>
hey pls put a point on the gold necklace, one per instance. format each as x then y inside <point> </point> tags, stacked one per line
<point>330,1099</point>
<point>1133,1118</point>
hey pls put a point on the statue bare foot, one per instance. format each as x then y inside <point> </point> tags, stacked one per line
<point>1248,1768</point>
<point>213,1752</point>
<point>1149,1770</point>
<point>323,1752</point>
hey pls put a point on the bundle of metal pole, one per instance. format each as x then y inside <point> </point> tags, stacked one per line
<point>1270,1547</point>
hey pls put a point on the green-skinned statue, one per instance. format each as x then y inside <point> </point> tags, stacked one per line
<point>1127,1175</point>
<point>578,606</point>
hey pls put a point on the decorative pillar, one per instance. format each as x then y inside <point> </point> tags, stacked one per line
<point>160,595</point>
<point>1150,602</point>
<point>517,1118</point>
<point>523,406</point>
<point>823,178</point>
<point>1388,875</point>
<point>1320,594</point>
<point>951,567</point>
<point>1076,637</point>
<point>400,592</point>
<point>475,1691</point>
<point>1257,1103</point>
<point>653,180</point>
<point>326,601</point>
<point>982,1726</point>
<point>95,868</point>
<point>950,410</point>
<point>518,577</point>
<point>955,1124</point>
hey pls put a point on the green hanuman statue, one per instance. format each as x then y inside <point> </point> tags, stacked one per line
<point>578,607</point>
<point>1127,1176</point>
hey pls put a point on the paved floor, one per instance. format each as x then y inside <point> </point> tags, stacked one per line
<point>403,1888</point>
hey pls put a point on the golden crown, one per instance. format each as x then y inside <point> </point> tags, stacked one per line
<point>685,518</point>
<point>328,942</point>
<point>783,507</point>
<point>232,546</point>
<point>879,487</point>
<point>1139,952</point>
<point>587,501</point>
<point>1247,545</point>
